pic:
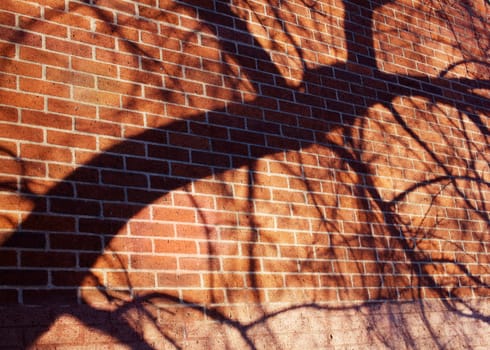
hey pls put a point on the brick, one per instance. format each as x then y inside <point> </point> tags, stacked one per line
<point>46,119</point>
<point>221,249</point>
<point>7,50</point>
<point>104,261</point>
<point>10,166</point>
<point>183,200</point>
<point>47,259</point>
<point>204,52</point>
<point>45,57</point>
<point>143,105</point>
<point>353,294</point>
<point>304,279</point>
<point>62,17</point>
<point>71,278</point>
<point>88,191</point>
<point>147,165</point>
<point>130,279</point>
<point>163,95</point>
<point>70,77</point>
<point>153,262</point>
<point>21,37</point>
<point>49,297</point>
<point>228,281</point>
<point>217,217</point>
<point>175,247</point>
<point>8,81</point>
<point>8,19</point>
<point>22,100</point>
<point>112,158</point>
<point>167,152</point>
<point>213,296</point>
<point>196,264</point>
<point>121,178</point>
<point>69,47</point>
<point>247,296</point>
<point>10,297</point>
<point>19,132</point>
<point>10,277</point>
<point>14,202</point>
<point>240,264</point>
<point>178,280</point>
<point>92,38</point>
<point>281,295</point>
<point>93,67</point>
<point>75,206</point>
<point>71,139</point>
<point>71,108</point>
<point>124,211</point>
<point>118,86</point>
<point>46,222</point>
<point>96,97</point>
<point>44,88</point>
<point>189,231</point>
<point>39,26</point>
<point>26,168</point>
<point>174,214</point>
<point>129,244</point>
<point>184,85</point>
<point>75,242</point>
<point>120,116</point>
<point>98,127</point>
<point>8,259</point>
<point>46,153</point>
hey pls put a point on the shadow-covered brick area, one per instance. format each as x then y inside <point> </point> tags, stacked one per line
<point>237,174</point>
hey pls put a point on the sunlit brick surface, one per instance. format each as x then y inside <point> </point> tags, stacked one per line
<point>244,174</point>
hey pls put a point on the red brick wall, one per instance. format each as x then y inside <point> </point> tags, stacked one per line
<point>233,174</point>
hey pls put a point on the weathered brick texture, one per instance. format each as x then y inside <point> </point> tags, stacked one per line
<point>244,174</point>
